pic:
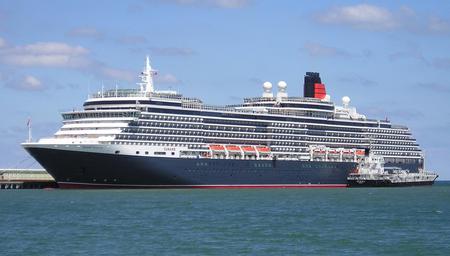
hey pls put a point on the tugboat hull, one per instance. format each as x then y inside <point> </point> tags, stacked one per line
<point>387,183</point>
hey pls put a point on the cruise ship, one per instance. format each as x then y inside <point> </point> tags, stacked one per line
<point>148,138</point>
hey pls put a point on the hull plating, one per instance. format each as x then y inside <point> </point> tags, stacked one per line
<point>84,169</point>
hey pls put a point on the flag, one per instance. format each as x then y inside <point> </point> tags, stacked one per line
<point>29,122</point>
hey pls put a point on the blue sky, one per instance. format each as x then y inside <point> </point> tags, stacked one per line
<point>392,58</point>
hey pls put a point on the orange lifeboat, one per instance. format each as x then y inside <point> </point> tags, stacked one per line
<point>360,152</point>
<point>319,151</point>
<point>233,148</point>
<point>334,153</point>
<point>263,149</point>
<point>248,149</point>
<point>217,147</point>
<point>348,153</point>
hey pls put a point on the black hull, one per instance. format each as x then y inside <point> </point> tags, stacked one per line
<point>72,169</point>
<point>384,183</point>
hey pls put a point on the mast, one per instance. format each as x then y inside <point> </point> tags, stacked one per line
<point>146,83</point>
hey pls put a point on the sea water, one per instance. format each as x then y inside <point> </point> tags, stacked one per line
<point>357,221</point>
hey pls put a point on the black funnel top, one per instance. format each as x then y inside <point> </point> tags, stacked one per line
<point>311,78</point>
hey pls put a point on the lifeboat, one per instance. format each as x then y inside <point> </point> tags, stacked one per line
<point>233,148</point>
<point>347,153</point>
<point>360,152</point>
<point>263,149</point>
<point>248,149</point>
<point>319,151</point>
<point>334,152</point>
<point>217,147</point>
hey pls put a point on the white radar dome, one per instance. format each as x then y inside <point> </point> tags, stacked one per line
<point>267,85</point>
<point>345,100</point>
<point>327,97</point>
<point>282,85</point>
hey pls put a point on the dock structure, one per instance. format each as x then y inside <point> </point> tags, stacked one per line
<point>26,179</point>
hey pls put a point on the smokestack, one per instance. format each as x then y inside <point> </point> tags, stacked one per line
<point>313,87</point>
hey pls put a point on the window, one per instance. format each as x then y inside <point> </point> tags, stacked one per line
<point>137,152</point>
<point>117,152</point>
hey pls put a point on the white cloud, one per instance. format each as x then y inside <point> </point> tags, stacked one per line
<point>31,82</point>
<point>171,51</point>
<point>416,54</point>
<point>51,60</point>
<point>226,4</point>
<point>87,32</point>
<point>360,16</point>
<point>58,55</point>
<point>24,83</point>
<point>434,87</point>
<point>62,55</point>
<point>115,73</point>
<point>2,42</point>
<point>52,48</point>
<point>132,40</point>
<point>438,25</point>
<point>167,79</point>
<point>48,54</point>
<point>231,3</point>
<point>413,52</point>
<point>320,50</point>
<point>407,11</point>
<point>372,17</point>
<point>441,63</point>
<point>357,80</point>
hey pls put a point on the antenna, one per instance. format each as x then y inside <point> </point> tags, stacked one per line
<point>89,88</point>
<point>29,130</point>
<point>103,88</point>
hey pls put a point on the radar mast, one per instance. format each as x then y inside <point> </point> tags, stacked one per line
<point>146,83</point>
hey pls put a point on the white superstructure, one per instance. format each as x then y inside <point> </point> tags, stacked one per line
<point>148,122</point>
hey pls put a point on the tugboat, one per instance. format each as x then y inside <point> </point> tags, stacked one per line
<point>371,172</point>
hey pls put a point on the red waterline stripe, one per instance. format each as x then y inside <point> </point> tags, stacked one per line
<point>270,186</point>
<point>70,185</point>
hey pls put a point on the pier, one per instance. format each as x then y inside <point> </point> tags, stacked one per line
<point>26,179</point>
